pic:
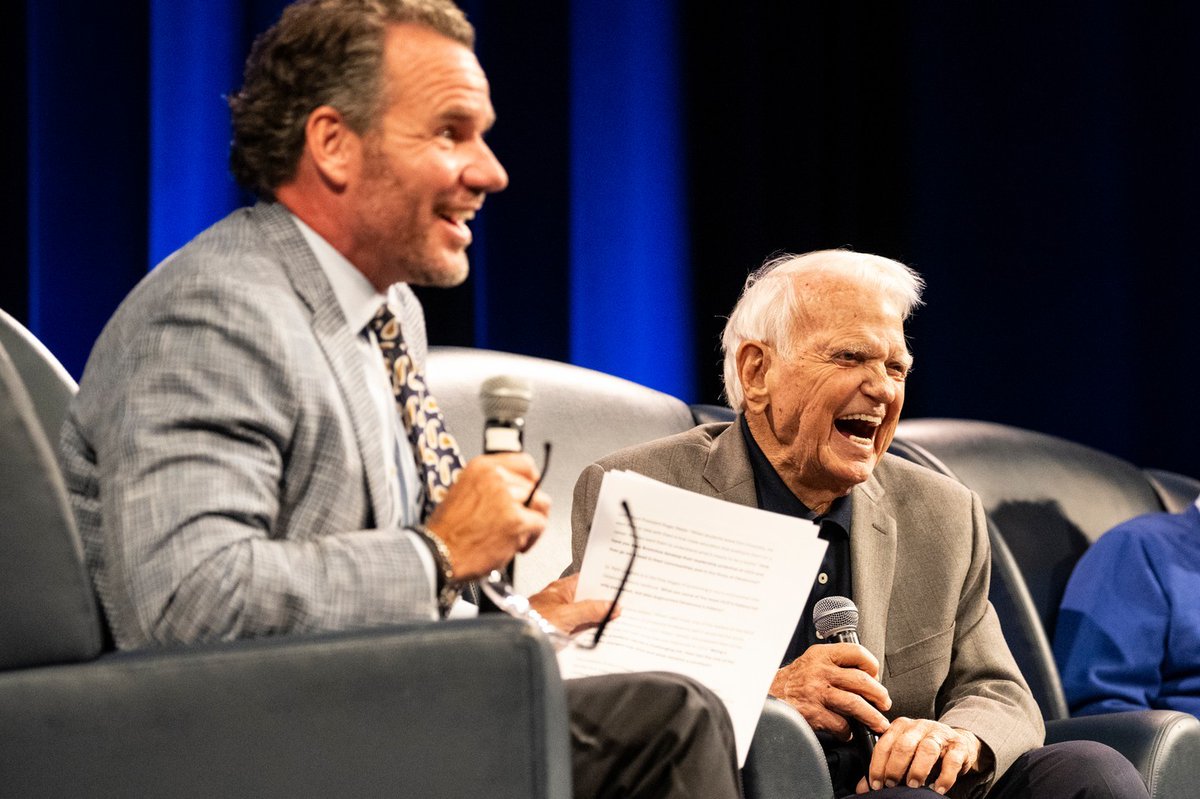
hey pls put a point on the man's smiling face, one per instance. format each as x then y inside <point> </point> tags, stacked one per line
<point>832,404</point>
<point>426,167</point>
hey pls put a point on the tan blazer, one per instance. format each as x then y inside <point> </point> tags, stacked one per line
<point>920,563</point>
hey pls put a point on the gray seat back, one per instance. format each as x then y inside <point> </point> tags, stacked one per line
<point>1177,491</point>
<point>584,413</point>
<point>47,382</point>
<point>47,610</point>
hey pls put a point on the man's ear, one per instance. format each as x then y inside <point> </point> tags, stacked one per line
<point>754,359</point>
<point>335,149</point>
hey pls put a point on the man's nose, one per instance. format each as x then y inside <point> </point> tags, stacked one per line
<point>880,386</point>
<point>485,173</point>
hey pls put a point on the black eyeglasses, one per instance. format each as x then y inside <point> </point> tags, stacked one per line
<point>633,550</point>
<point>501,592</point>
<point>542,476</point>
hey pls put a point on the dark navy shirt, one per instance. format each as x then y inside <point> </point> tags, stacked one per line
<point>833,579</point>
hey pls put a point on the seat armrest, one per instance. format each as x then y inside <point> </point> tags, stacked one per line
<point>466,708</point>
<point>1164,745</point>
<point>785,760</point>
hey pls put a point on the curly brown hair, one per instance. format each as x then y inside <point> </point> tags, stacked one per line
<point>320,52</point>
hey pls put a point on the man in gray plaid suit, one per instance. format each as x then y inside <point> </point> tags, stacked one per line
<point>235,456</point>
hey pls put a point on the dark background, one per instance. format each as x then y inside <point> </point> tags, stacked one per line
<point>1036,163</point>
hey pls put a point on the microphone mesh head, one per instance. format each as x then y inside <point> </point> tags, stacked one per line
<point>505,398</point>
<point>833,615</point>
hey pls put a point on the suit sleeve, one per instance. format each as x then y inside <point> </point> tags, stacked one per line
<point>1112,628</point>
<point>984,691</point>
<point>193,426</point>
<point>583,508</point>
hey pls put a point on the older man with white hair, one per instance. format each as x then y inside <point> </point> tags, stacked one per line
<point>815,364</point>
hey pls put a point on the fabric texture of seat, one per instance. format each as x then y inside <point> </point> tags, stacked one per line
<point>1176,491</point>
<point>584,413</point>
<point>785,760</point>
<point>50,613</point>
<point>46,380</point>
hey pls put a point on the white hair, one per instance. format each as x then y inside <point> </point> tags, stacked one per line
<point>771,306</point>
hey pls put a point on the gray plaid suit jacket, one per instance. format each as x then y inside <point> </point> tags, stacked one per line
<point>920,565</point>
<point>222,456</point>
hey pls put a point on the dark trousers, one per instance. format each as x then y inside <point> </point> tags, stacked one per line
<point>650,735</point>
<point>1067,770</point>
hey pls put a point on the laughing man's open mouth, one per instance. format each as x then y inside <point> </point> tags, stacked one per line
<point>858,427</point>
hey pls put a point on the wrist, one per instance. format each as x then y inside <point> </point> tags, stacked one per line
<point>979,753</point>
<point>446,588</point>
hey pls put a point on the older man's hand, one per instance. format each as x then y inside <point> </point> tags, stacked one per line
<point>910,751</point>
<point>832,682</point>
<point>556,603</point>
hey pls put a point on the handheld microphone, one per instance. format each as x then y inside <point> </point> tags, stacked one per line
<point>505,401</point>
<point>836,619</point>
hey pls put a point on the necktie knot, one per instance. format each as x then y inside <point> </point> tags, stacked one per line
<point>385,325</point>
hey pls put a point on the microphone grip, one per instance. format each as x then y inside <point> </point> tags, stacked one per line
<point>503,436</point>
<point>862,737</point>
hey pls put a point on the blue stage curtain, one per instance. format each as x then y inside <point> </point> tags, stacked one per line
<point>630,281</point>
<point>196,47</point>
<point>127,147</point>
<point>1038,166</point>
<point>582,259</point>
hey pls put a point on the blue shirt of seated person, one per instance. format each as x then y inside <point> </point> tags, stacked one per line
<point>1128,635</point>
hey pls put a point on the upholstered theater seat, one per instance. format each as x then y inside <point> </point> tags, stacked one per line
<point>356,714</point>
<point>585,414</point>
<point>47,382</point>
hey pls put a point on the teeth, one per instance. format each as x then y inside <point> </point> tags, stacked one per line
<point>860,440</point>
<point>863,417</point>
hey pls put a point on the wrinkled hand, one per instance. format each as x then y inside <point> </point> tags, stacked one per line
<point>556,602</point>
<point>831,682</point>
<point>483,520</point>
<point>912,749</point>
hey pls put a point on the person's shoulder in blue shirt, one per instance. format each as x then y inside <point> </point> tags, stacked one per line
<point>1128,633</point>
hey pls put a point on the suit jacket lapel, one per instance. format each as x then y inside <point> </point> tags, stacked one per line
<point>336,340</point>
<point>872,564</point>
<point>728,471</point>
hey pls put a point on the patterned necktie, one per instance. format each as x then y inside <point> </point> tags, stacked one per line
<point>437,452</point>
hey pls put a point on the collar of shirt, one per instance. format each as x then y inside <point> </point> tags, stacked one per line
<point>774,495</point>
<point>357,297</point>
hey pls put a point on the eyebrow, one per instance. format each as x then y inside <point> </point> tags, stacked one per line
<point>458,113</point>
<point>870,350</point>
